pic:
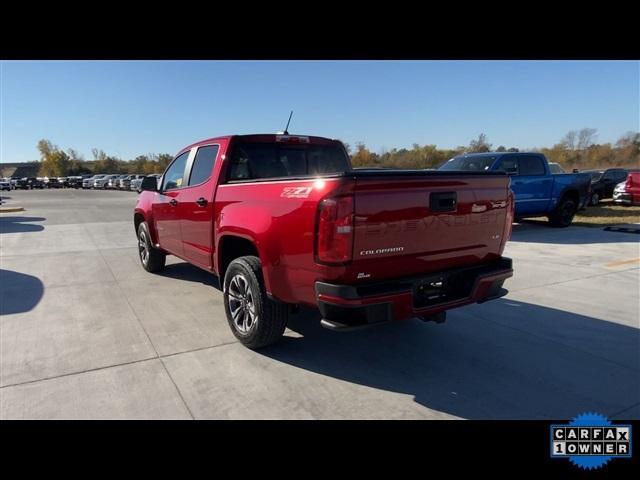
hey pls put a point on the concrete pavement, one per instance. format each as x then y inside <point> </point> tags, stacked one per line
<point>86,333</point>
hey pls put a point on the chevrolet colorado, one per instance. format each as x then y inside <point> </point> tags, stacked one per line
<point>284,220</point>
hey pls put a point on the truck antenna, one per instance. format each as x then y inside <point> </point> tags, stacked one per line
<point>286,129</point>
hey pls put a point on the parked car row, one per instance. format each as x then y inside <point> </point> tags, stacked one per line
<point>101,181</point>
<point>603,183</point>
<point>105,181</point>
<point>29,183</point>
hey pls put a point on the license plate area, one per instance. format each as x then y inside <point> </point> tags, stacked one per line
<point>443,287</point>
<point>430,291</point>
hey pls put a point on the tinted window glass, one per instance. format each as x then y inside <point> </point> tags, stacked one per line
<point>621,176</point>
<point>509,165</point>
<point>294,161</point>
<point>270,160</point>
<point>595,175</point>
<point>203,164</point>
<point>174,175</point>
<point>326,160</point>
<point>530,165</point>
<point>474,163</point>
<point>555,168</point>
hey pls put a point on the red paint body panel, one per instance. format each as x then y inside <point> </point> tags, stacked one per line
<point>390,212</point>
<point>630,193</point>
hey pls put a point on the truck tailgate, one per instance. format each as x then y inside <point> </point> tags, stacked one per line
<point>407,223</point>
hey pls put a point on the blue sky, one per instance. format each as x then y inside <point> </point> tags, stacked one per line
<point>129,108</point>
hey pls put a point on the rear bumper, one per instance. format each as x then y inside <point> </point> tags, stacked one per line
<point>356,306</point>
<point>623,197</point>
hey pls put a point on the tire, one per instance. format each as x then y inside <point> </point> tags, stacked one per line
<point>259,321</point>
<point>151,258</point>
<point>563,214</point>
<point>594,200</point>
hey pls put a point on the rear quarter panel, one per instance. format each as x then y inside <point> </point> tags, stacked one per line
<point>278,217</point>
<point>565,182</point>
<point>143,207</point>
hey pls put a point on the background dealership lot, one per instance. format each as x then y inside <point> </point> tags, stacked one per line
<point>86,333</point>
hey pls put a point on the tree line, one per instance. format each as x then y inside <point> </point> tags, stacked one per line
<point>56,162</point>
<point>577,149</point>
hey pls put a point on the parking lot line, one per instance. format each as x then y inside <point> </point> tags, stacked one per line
<point>623,262</point>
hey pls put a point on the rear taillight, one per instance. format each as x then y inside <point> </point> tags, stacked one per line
<point>335,230</point>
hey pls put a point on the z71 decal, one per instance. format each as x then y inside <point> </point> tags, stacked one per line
<point>296,192</point>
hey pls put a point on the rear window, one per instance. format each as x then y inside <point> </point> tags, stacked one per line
<point>530,165</point>
<point>254,161</point>
<point>470,163</point>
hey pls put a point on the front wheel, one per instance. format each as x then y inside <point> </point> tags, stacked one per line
<point>152,259</point>
<point>564,213</point>
<point>594,200</point>
<point>254,318</point>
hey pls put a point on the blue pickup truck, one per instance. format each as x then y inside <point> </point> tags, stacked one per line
<point>538,192</point>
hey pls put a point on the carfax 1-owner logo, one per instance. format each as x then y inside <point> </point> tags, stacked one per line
<point>590,440</point>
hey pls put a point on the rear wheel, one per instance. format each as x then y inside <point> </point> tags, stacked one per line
<point>152,259</point>
<point>254,318</point>
<point>564,213</point>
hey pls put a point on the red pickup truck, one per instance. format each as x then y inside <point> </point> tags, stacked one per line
<point>286,221</point>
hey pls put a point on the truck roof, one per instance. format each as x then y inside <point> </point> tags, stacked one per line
<point>260,137</point>
<point>496,154</point>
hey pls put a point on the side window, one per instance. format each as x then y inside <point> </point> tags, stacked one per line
<point>621,176</point>
<point>174,175</point>
<point>530,165</point>
<point>203,164</point>
<point>509,165</point>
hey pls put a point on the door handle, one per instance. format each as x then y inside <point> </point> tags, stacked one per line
<point>202,202</point>
<point>173,202</point>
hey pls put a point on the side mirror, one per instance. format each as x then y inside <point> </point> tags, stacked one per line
<point>150,184</point>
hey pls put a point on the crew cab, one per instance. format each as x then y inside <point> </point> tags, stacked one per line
<point>538,191</point>
<point>285,221</point>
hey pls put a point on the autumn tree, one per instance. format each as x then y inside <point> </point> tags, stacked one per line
<point>479,144</point>
<point>362,157</point>
<point>54,162</point>
<point>569,140</point>
<point>586,137</point>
